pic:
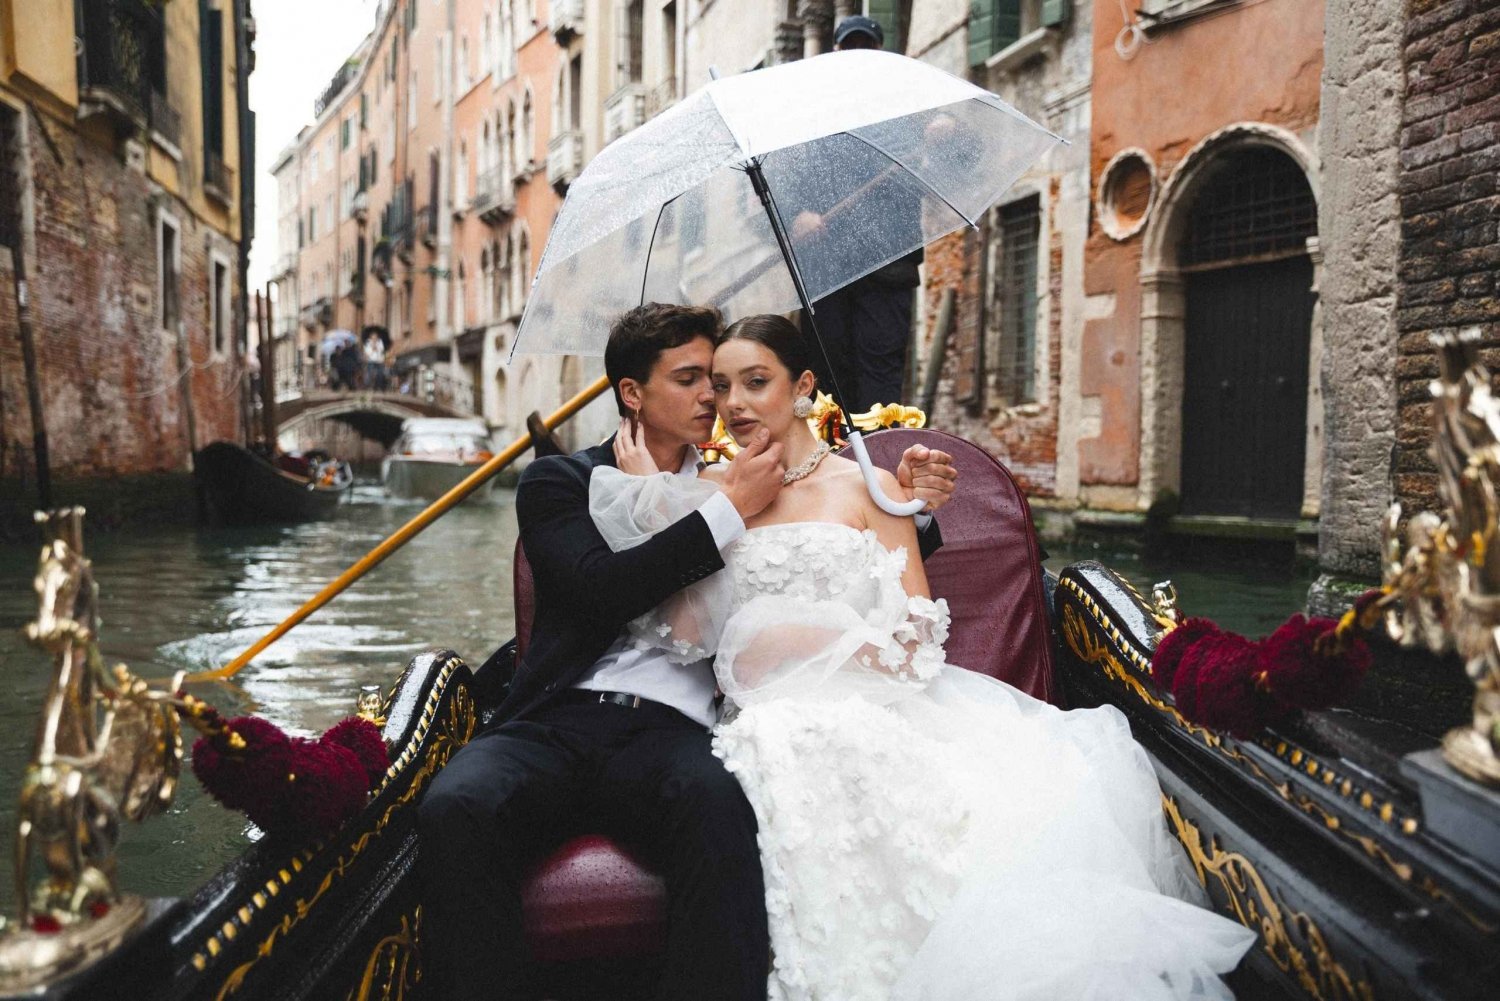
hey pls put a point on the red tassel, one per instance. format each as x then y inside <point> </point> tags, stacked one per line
<point>1170,651</point>
<point>1306,664</point>
<point>1210,661</point>
<point>362,738</point>
<point>291,786</point>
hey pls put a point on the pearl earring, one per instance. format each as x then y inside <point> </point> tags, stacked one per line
<point>802,409</point>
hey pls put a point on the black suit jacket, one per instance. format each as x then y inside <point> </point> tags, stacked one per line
<point>585,592</point>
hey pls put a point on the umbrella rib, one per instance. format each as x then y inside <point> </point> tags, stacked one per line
<point>916,177</point>
<point>651,244</point>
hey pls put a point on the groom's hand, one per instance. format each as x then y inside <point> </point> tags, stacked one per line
<point>928,474</point>
<point>754,476</point>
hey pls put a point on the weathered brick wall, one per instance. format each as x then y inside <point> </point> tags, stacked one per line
<point>109,375</point>
<point>1450,210</point>
<point>1025,437</point>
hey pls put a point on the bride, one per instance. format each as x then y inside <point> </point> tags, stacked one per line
<point>927,833</point>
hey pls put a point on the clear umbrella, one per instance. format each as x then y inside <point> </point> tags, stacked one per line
<point>766,191</point>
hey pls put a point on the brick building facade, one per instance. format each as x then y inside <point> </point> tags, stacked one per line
<point>1450,212</point>
<point>128,205</point>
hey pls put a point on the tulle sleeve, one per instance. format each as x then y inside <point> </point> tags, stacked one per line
<point>778,646</point>
<point>628,510</point>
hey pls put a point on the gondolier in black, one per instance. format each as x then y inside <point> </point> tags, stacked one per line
<point>600,735</point>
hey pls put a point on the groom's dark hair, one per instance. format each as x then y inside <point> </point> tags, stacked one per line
<point>639,337</point>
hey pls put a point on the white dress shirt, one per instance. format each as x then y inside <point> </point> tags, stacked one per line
<point>688,688</point>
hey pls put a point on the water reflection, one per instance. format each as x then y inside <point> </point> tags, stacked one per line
<point>186,599</point>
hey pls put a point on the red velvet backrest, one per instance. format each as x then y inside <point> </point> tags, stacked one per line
<point>524,592</point>
<point>989,568</point>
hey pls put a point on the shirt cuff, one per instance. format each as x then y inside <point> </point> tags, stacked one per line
<point>923,519</point>
<point>723,520</point>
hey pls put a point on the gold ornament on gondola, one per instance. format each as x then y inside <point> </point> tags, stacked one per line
<point>1443,579</point>
<point>108,748</point>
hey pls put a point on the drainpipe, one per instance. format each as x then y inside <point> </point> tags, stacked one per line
<point>442,282</point>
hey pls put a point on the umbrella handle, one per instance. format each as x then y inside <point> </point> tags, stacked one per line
<point>900,509</point>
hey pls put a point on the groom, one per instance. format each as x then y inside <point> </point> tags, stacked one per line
<point>596,735</point>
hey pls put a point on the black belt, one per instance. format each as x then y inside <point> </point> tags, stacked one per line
<point>588,695</point>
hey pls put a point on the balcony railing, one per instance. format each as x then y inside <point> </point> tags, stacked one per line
<point>564,158</point>
<point>567,19</point>
<point>164,119</point>
<point>285,264</point>
<point>494,197</point>
<point>624,110</point>
<point>123,58</point>
<point>218,178</point>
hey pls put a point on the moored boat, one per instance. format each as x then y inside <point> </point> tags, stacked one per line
<point>243,486</point>
<point>435,454</point>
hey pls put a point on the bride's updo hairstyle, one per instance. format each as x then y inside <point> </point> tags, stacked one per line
<point>777,335</point>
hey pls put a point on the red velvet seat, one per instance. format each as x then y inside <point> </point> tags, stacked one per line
<point>591,901</point>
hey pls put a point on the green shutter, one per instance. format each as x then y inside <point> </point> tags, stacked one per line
<point>887,14</point>
<point>1007,23</point>
<point>981,31</point>
<point>1055,13</point>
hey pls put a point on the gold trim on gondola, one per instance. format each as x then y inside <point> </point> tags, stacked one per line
<point>1255,907</point>
<point>1090,649</point>
<point>458,725</point>
<point>393,967</point>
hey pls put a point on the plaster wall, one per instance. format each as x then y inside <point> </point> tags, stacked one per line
<point>1256,64</point>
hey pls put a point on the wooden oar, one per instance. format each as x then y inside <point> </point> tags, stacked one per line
<point>404,534</point>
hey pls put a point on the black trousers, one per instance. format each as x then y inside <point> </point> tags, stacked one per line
<point>646,777</point>
<point>866,328</point>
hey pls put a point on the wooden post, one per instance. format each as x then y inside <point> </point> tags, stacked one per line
<point>267,371</point>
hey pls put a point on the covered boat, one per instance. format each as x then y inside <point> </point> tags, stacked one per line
<point>242,486</point>
<point>433,455</point>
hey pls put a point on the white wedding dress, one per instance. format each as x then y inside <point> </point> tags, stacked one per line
<point>927,833</point>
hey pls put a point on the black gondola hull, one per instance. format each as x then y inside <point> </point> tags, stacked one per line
<point>241,487</point>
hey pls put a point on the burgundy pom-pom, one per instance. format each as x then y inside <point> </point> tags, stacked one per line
<point>224,771</point>
<point>1169,652</point>
<point>362,738</point>
<point>1203,664</point>
<point>290,787</point>
<point>1304,665</point>
<point>1225,696</point>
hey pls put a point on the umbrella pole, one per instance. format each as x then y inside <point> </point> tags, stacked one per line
<point>887,504</point>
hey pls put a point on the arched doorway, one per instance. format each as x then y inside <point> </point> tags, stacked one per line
<point>1249,300</point>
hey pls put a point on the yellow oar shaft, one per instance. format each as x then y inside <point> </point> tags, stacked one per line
<point>405,533</point>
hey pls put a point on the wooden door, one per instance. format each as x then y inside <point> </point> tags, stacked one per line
<point>1244,399</point>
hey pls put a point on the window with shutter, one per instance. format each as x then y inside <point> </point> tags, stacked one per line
<point>993,24</point>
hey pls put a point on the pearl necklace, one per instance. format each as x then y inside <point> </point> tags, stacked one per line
<point>804,469</point>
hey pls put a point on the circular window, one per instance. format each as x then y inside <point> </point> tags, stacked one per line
<point>1127,191</point>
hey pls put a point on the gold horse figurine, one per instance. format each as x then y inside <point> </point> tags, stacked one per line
<point>1444,581</point>
<point>107,748</point>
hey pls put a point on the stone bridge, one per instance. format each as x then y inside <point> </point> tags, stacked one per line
<point>375,415</point>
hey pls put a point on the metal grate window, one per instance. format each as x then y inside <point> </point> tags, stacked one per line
<point>1020,228</point>
<point>1259,203</point>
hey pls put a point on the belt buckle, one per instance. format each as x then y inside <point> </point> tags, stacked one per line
<point>618,699</point>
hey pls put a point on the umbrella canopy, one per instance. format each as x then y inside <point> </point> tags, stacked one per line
<point>868,155</point>
<point>335,339</point>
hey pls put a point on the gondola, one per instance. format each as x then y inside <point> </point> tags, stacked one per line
<point>1319,833</point>
<point>244,487</point>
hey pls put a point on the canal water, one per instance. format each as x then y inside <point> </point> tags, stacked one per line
<point>190,599</point>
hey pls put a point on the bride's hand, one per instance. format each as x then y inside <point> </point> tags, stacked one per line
<point>631,454</point>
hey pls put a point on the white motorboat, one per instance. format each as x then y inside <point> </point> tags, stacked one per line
<point>435,454</point>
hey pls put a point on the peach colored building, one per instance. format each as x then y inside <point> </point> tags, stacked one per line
<point>1201,346</point>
